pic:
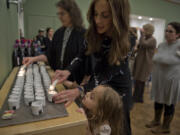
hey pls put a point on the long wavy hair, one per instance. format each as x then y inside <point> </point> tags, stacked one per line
<point>74,11</point>
<point>109,109</point>
<point>120,11</point>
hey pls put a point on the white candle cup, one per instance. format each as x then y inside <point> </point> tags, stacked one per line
<point>13,104</point>
<point>41,99</point>
<point>28,85</point>
<point>50,95</point>
<point>51,87</point>
<point>23,67</point>
<point>39,91</point>
<point>40,94</point>
<point>16,92</point>
<point>17,88</point>
<point>28,99</point>
<point>37,88</point>
<point>37,108</point>
<point>28,93</point>
<point>18,95</point>
<point>14,96</point>
<point>28,90</point>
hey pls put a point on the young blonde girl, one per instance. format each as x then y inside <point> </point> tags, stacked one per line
<point>103,108</point>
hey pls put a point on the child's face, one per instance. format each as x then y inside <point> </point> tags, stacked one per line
<point>90,100</point>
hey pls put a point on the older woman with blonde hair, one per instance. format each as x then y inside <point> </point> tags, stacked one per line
<point>143,61</point>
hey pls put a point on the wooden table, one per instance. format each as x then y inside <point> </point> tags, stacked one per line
<point>74,124</point>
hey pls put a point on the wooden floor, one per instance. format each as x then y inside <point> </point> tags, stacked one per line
<point>143,113</point>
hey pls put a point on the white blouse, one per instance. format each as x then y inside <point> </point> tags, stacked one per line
<point>103,130</point>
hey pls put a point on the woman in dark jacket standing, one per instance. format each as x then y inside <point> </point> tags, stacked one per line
<point>107,42</point>
<point>67,40</point>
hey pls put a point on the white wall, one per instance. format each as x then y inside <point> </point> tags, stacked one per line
<point>21,22</point>
<point>159,25</point>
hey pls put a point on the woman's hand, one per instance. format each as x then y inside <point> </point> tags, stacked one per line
<point>67,96</point>
<point>85,80</point>
<point>61,75</point>
<point>28,60</point>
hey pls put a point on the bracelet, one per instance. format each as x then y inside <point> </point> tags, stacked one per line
<point>81,90</point>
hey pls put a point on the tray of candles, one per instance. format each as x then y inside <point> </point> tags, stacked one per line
<point>31,98</point>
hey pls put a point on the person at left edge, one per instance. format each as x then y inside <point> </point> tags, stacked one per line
<point>67,40</point>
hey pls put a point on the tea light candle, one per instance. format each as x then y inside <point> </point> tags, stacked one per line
<point>28,99</point>
<point>41,99</point>
<point>37,108</point>
<point>50,95</point>
<point>13,104</point>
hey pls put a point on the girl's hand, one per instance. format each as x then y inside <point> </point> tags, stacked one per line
<point>67,96</point>
<point>85,80</point>
<point>81,110</point>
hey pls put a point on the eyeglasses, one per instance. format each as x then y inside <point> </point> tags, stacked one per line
<point>169,31</point>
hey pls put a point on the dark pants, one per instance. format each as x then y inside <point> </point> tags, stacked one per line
<point>138,91</point>
<point>127,106</point>
<point>168,109</point>
<point>127,126</point>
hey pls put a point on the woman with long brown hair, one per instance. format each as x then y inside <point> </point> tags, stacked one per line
<point>67,40</point>
<point>107,42</point>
